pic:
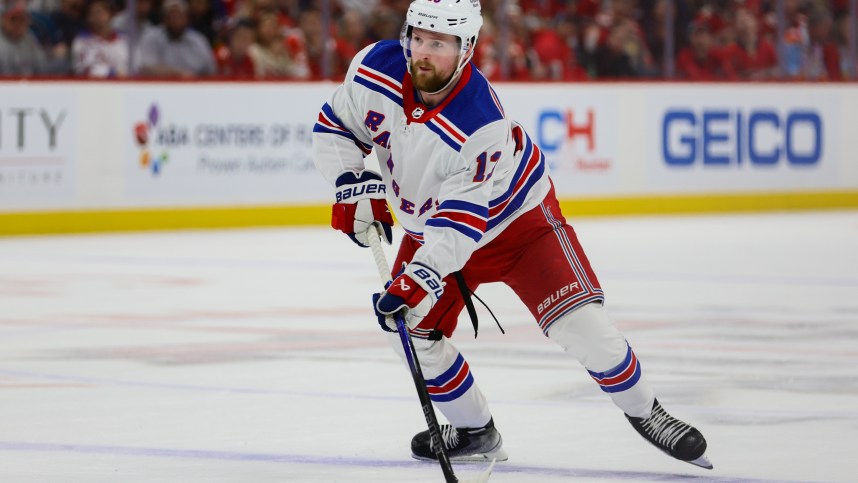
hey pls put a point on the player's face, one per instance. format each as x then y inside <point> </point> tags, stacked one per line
<point>434,58</point>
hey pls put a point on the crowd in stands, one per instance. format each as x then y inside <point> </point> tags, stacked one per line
<point>521,40</point>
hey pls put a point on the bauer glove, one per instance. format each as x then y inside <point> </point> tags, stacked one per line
<point>415,290</point>
<point>360,205</point>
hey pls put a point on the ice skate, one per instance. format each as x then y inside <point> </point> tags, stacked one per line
<point>674,437</point>
<point>462,444</point>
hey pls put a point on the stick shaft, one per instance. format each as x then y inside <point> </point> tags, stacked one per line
<point>414,365</point>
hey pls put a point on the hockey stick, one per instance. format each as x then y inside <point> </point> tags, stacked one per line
<point>417,374</point>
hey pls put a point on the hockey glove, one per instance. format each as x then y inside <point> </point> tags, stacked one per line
<point>360,205</point>
<point>415,290</point>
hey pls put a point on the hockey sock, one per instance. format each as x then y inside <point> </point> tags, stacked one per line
<point>590,335</point>
<point>449,381</point>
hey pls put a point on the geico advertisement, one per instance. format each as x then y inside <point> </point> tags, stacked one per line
<point>36,145</point>
<point>576,130</point>
<point>757,138</point>
<point>214,143</point>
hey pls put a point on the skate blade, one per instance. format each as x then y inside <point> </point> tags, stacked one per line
<point>484,476</point>
<point>498,455</point>
<point>702,462</point>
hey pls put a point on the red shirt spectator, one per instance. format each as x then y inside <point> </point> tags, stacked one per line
<point>233,60</point>
<point>702,60</point>
<point>751,56</point>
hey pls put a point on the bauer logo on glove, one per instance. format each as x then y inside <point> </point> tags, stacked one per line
<point>415,290</point>
<point>361,205</point>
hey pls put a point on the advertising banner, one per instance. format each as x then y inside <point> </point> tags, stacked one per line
<point>576,128</point>
<point>37,145</point>
<point>214,145</point>
<point>731,139</point>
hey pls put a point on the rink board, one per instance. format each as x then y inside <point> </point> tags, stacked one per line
<point>80,156</point>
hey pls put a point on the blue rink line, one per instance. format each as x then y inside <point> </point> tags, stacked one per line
<point>586,474</point>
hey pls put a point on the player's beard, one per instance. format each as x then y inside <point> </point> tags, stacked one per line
<point>426,81</point>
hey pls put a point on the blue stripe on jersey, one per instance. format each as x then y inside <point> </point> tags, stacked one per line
<point>377,88</point>
<point>444,136</point>
<point>459,205</point>
<point>520,197</point>
<point>321,128</point>
<point>386,57</point>
<point>474,106</point>
<point>461,228</point>
<point>519,171</point>
<point>329,112</point>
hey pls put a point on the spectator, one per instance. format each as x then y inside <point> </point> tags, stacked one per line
<point>20,52</point>
<point>555,51</point>
<point>201,17</point>
<point>56,31</point>
<point>702,60</point>
<point>385,24</point>
<point>310,23</point>
<point>234,59</point>
<point>486,56</point>
<point>752,56</point>
<point>612,58</point>
<point>174,50</point>
<point>270,53</point>
<point>100,51</point>
<point>841,37</point>
<point>822,57</point>
<point>135,24</point>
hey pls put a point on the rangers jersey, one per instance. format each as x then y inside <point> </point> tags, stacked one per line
<point>456,174</point>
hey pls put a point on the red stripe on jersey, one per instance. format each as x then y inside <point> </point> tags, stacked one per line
<point>450,130</point>
<point>532,163</point>
<point>379,79</point>
<point>327,122</point>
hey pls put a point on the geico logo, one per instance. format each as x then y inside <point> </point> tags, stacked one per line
<point>554,128</point>
<point>730,137</point>
<point>361,189</point>
<point>557,295</point>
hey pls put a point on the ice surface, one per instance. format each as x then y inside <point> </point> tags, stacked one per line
<point>253,356</point>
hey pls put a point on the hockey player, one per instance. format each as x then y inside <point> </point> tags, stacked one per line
<point>472,192</point>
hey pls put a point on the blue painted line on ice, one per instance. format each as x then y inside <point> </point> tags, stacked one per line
<point>587,474</point>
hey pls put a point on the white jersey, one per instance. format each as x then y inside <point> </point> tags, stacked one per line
<point>456,174</point>
<point>96,56</point>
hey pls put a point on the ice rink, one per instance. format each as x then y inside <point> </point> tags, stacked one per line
<point>253,356</point>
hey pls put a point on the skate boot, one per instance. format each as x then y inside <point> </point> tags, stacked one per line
<point>678,439</point>
<point>462,444</point>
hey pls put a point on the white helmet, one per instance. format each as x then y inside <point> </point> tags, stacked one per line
<point>461,18</point>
